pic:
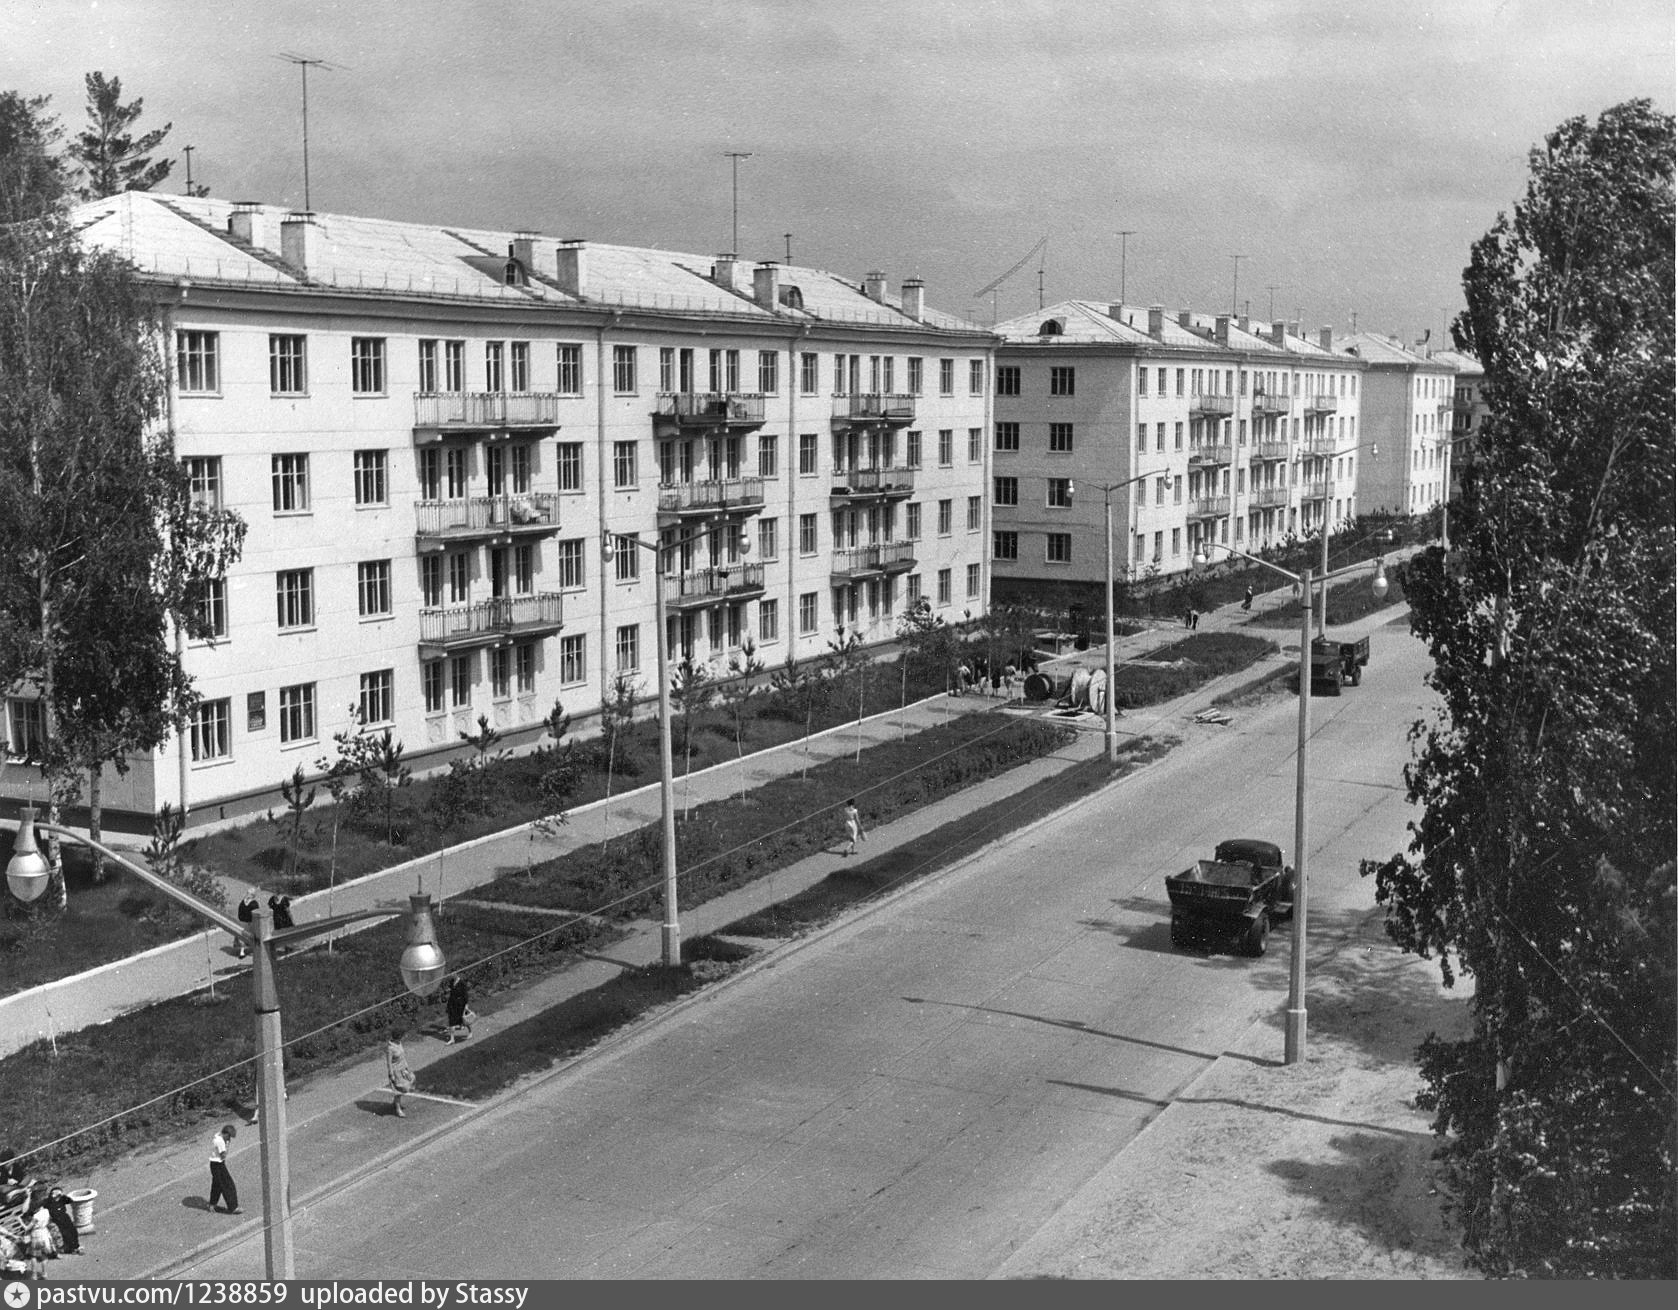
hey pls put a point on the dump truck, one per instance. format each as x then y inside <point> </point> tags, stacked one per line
<point>1236,895</point>
<point>1335,663</point>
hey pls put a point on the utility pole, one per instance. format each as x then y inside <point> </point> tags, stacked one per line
<point>735,156</point>
<point>1124,238</point>
<point>1235,288</point>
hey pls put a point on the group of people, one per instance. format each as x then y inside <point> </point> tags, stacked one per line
<point>40,1225</point>
<point>988,676</point>
<point>279,906</point>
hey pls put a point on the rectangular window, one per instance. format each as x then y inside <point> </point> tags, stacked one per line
<point>807,454</point>
<point>623,464</point>
<point>432,683</point>
<point>367,366</point>
<point>1177,490</point>
<point>1060,493</point>
<point>1159,437</point>
<point>623,370</point>
<point>1177,436</point>
<point>768,540</point>
<point>570,370</point>
<point>428,367</point>
<point>667,368</point>
<point>946,377</point>
<point>501,673</point>
<point>372,486</point>
<point>973,575</point>
<point>460,578</point>
<point>917,380</point>
<point>1007,379</point>
<point>524,666</point>
<point>946,517</point>
<point>568,461</point>
<point>198,361</point>
<point>378,697</point>
<point>1142,382</point>
<point>521,469</point>
<point>1179,382</point>
<point>212,609</point>
<point>256,711</point>
<point>573,659</point>
<point>975,445</point>
<point>1176,542</point>
<point>975,511</point>
<point>212,730</point>
<point>1005,545</point>
<point>460,681</point>
<point>431,581</point>
<point>975,377</point>
<point>943,586</point>
<point>203,478</point>
<point>1141,438</point>
<point>768,372</point>
<point>454,366</point>
<point>297,713</point>
<point>1006,491</point>
<point>1057,548</point>
<point>494,357</point>
<point>1060,438</point>
<point>809,373</point>
<point>768,620</point>
<point>1007,434</point>
<point>946,447</point>
<point>626,556</point>
<point>629,648</point>
<point>291,484</point>
<point>912,590</point>
<point>912,449</point>
<point>912,522</point>
<point>372,584</point>
<point>571,563</point>
<point>286,375</point>
<point>807,613</point>
<point>806,534</point>
<point>521,366</point>
<point>1063,380</point>
<point>769,457</point>
<point>294,595</point>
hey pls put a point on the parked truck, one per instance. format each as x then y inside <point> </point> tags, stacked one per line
<point>1335,663</point>
<point>1234,896</point>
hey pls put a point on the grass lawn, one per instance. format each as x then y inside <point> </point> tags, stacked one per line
<point>1347,602</point>
<point>1184,665</point>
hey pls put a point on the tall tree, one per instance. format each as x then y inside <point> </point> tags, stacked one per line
<point>1542,865</point>
<point>32,180</point>
<point>112,159</point>
<point>106,548</point>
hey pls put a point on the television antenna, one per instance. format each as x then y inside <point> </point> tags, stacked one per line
<point>990,289</point>
<point>305,64</point>
<point>734,157</point>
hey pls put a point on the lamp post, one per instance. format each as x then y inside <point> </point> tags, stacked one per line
<point>1107,490</point>
<point>422,966</point>
<point>671,932</point>
<point>1294,1030</point>
<point>1328,488</point>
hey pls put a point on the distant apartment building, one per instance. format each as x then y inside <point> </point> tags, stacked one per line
<point>1240,433</point>
<point>432,432</point>
<point>1468,411</point>
<point>1408,411</point>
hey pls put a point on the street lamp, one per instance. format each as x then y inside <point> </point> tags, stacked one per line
<point>422,966</point>
<point>672,930</point>
<point>1294,1031</point>
<point>1107,490</point>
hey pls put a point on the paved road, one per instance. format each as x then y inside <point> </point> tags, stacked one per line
<point>919,1091</point>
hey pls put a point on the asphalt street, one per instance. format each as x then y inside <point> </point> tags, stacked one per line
<point>918,1092</point>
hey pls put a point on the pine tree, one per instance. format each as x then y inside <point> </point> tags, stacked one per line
<point>113,160</point>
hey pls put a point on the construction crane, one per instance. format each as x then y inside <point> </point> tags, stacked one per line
<point>990,290</point>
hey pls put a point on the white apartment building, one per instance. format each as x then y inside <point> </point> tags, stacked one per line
<point>431,433</point>
<point>1469,411</point>
<point>1239,433</point>
<point>1408,410</point>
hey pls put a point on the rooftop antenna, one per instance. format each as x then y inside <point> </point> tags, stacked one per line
<point>734,157</point>
<point>305,64</point>
<point>1354,320</point>
<point>1235,287</point>
<point>1124,239</point>
<point>990,289</point>
<point>188,150</point>
<point>1273,290</point>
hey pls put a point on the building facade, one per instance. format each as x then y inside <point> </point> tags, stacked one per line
<point>1468,412</point>
<point>1234,432</point>
<point>1408,412</point>
<point>432,434</point>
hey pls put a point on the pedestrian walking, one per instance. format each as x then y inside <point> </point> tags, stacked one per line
<point>457,999</point>
<point>1188,618</point>
<point>1247,599</point>
<point>63,1222</point>
<point>221,1181</point>
<point>246,912</point>
<point>281,906</point>
<point>1194,618</point>
<point>396,1066</point>
<point>853,828</point>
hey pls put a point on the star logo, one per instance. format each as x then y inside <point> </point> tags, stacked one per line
<point>17,1295</point>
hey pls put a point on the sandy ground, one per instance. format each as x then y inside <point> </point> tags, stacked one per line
<point>1261,1171</point>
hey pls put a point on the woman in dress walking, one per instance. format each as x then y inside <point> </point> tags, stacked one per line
<point>457,998</point>
<point>396,1066</point>
<point>853,828</point>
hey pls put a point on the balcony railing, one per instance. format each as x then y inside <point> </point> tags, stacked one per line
<point>1208,507</point>
<point>478,411</point>
<point>708,585</point>
<point>1270,497</point>
<point>1267,404</point>
<point>485,622</point>
<point>709,409</point>
<point>1209,453</point>
<point>710,496</point>
<point>532,513</point>
<point>1212,406</point>
<point>883,557</point>
<point>1272,450</point>
<point>1324,403</point>
<point>874,407</point>
<point>873,482</point>
<point>1322,444</point>
<point>1313,491</point>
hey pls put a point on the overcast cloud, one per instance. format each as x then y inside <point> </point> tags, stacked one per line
<point>1350,151</point>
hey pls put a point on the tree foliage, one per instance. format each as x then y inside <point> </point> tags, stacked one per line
<point>112,158</point>
<point>1543,863</point>
<point>32,176</point>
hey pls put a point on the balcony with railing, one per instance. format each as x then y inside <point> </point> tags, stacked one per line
<point>711,586</point>
<point>438,523</point>
<point>1268,404</point>
<point>1208,507</point>
<point>1272,450</point>
<point>440,414</point>
<point>732,411</point>
<point>1269,497</point>
<point>871,483</point>
<point>489,622</point>
<point>712,496</point>
<point>872,408</point>
<point>1211,453</point>
<point>856,562</point>
<point>1313,491</point>
<point>1322,443</point>
<point>1212,406</point>
<point>1322,403</point>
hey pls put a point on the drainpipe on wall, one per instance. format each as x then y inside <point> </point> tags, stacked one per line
<point>602,484</point>
<point>789,615</point>
<point>172,379</point>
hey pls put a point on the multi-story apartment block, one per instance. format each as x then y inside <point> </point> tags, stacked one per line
<point>1408,411</point>
<point>1236,432</point>
<point>1468,411</point>
<point>431,433</point>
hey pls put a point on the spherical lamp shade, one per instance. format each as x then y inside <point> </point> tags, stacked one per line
<point>423,965</point>
<point>27,873</point>
<point>1378,588</point>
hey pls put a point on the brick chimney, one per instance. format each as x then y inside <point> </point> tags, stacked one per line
<point>1278,334</point>
<point>249,222</point>
<point>1222,330</point>
<point>523,249</point>
<point>571,266</point>
<point>1185,319</point>
<point>874,286</point>
<point>766,284</point>
<point>722,269</point>
<point>1325,337</point>
<point>300,241</point>
<point>1242,323</point>
<point>1156,322</point>
<point>914,298</point>
<point>1293,329</point>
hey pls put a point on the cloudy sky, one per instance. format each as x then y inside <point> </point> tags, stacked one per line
<point>1351,152</point>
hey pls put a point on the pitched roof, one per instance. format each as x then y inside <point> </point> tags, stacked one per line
<point>1374,348</point>
<point>1459,360</point>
